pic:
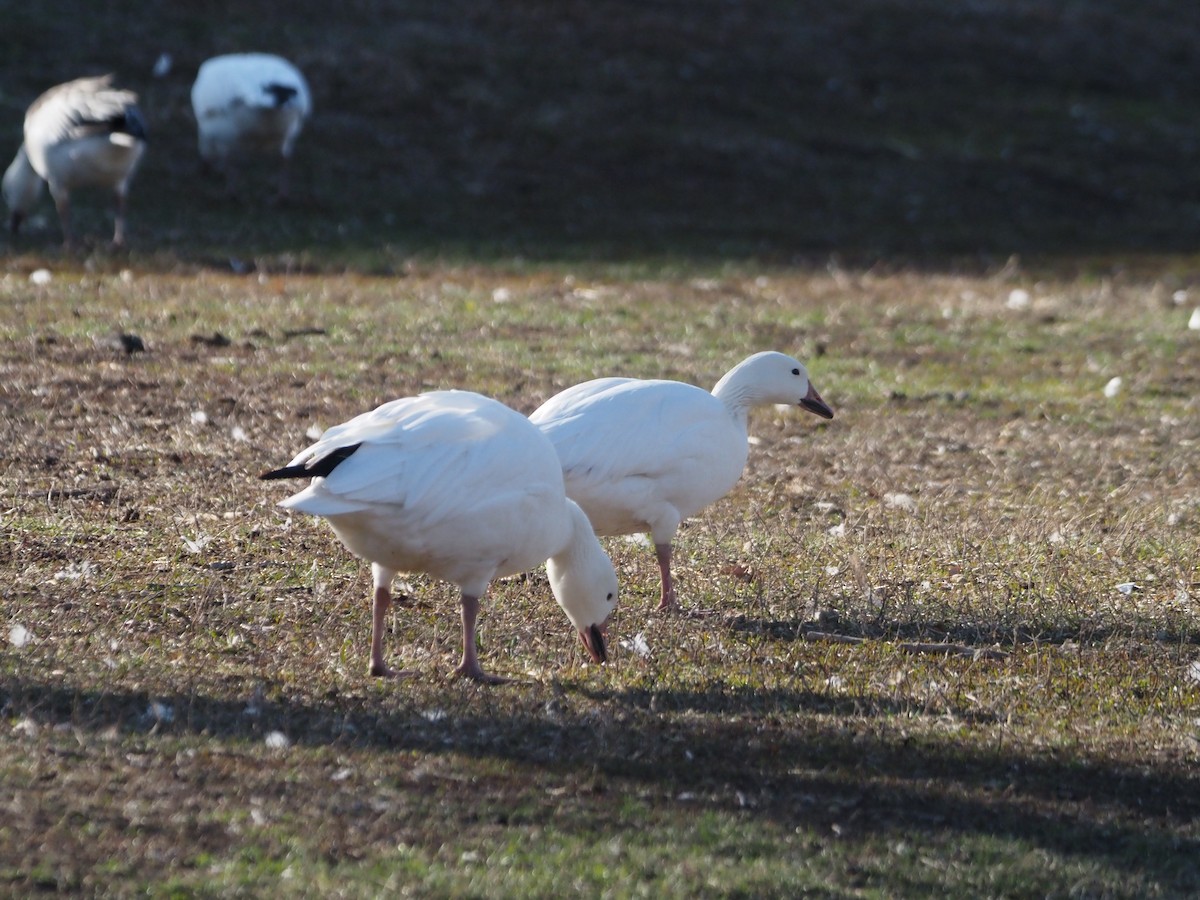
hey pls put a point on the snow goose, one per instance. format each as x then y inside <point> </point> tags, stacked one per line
<point>642,456</point>
<point>249,104</point>
<point>458,486</point>
<point>84,133</point>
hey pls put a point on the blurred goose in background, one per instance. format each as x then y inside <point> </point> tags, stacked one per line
<point>460,487</point>
<point>249,104</point>
<point>642,456</point>
<point>84,133</point>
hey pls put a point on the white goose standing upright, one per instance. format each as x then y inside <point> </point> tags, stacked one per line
<point>463,488</point>
<point>85,133</point>
<point>249,104</point>
<point>643,455</point>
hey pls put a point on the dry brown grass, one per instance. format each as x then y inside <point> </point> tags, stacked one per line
<point>179,620</point>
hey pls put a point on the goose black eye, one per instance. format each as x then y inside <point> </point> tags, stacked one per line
<point>795,371</point>
<point>609,597</point>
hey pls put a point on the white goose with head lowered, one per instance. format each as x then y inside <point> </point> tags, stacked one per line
<point>458,486</point>
<point>249,104</point>
<point>643,455</point>
<point>85,133</point>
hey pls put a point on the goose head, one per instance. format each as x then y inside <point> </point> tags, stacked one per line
<point>770,377</point>
<point>21,187</point>
<point>585,584</point>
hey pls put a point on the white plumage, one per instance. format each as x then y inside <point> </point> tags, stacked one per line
<point>458,486</point>
<point>84,133</point>
<point>642,456</point>
<point>249,104</point>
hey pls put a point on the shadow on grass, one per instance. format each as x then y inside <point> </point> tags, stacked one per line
<point>982,638</point>
<point>842,766</point>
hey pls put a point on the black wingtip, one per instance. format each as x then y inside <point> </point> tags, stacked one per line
<point>285,472</point>
<point>281,93</point>
<point>318,470</point>
<point>132,124</point>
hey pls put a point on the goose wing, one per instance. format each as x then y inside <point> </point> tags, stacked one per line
<point>442,453</point>
<point>628,447</point>
<point>248,79</point>
<point>81,108</point>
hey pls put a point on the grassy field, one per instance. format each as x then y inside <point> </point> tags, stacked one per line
<point>967,220</point>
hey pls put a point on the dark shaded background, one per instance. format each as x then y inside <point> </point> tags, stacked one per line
<point>780,131</point>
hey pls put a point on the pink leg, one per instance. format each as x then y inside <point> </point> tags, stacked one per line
<point>63,205</point>
<point>663,551</point>
<point>469,667</point>
<point>119,229</point>
<point>383,599</point>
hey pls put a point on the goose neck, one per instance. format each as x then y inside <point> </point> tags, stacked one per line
<point>736,397</point>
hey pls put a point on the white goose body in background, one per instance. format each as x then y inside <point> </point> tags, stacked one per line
<point>81,134</point>
<point>249,104</point>
<point>643,455</point>
<point>458,486</point>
